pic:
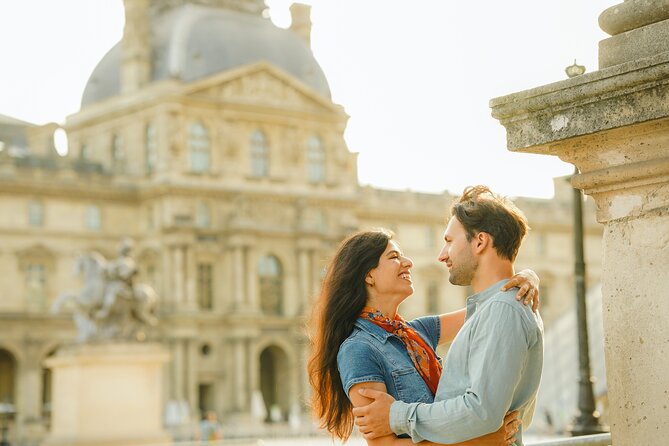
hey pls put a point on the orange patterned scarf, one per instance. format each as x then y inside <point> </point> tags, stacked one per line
<point>423,357</point>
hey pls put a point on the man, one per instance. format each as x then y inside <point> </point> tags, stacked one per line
<point>120,275</point>
<point>494,364</point>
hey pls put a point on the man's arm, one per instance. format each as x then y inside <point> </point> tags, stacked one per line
<point>505,435</point>
<point>497,358</point>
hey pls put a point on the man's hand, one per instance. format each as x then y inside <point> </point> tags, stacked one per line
<point>373,420</point>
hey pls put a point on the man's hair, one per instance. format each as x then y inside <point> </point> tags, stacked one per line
<point>481,210</point>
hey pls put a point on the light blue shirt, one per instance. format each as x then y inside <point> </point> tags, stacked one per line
<point>493,366</point>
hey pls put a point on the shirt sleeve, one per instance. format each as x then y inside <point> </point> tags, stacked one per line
<point>497,357</point>
<point>358,362</point>
<point>429,328</point>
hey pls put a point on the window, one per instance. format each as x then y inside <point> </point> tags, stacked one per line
<point>202,216</point>
<point>433,298</point>
<point>85,152</point>
<point>259,155</point>
<point>151,149</point>
<point>315,160</point>
<point>36,283</point>
<point>198,148</point>
<point>35,213</point>
<point>205,292</point>
<point>93,218</point>
<point>118,156</point>
<point>271,285</point>
<point>430,241</point>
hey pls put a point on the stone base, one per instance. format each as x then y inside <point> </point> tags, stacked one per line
<point>107,394</point>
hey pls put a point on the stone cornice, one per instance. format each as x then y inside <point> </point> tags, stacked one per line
<point>602,100</point>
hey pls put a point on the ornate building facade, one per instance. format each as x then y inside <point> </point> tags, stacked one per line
<point>208,135</point>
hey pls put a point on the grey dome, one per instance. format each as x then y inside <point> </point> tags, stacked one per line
<point>192,42</point>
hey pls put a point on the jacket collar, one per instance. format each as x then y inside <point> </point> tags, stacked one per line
<point>373,329</point>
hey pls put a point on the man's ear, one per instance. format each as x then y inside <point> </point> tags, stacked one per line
<point>482,241</point>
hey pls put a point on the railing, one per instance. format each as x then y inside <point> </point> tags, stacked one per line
<point>585,440</point>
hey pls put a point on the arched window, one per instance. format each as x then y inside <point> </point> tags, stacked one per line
<point>315,160</point>
<point>271,285</point>
<point>198,147</point>
<point>151,149</point>
<point>259,155</point>
<point>7,377</point>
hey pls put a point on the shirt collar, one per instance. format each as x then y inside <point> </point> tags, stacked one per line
<point>373,329</point>
<point>476,300</point>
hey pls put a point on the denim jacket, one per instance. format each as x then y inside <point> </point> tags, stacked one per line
<point>371,354</point>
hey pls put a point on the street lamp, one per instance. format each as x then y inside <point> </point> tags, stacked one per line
<point>586,420</point>
<point>6,413</point>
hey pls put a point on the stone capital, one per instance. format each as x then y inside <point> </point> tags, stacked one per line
<point>613,124</point>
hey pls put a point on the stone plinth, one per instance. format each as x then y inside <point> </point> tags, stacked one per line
<point>107,394</point>
<point>613,124</point>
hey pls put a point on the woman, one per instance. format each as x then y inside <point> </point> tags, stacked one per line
<point>359,340</point>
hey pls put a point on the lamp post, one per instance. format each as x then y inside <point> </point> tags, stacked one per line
<point>586,420</point>
<point>6,412</point>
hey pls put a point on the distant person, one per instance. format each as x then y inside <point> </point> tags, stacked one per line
<point>360,341</point>
<point>210,428</point>
<point>494,364</point>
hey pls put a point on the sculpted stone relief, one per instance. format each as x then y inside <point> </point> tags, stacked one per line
<point>263,88</point>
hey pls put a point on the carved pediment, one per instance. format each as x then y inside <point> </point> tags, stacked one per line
<point>263,88</point>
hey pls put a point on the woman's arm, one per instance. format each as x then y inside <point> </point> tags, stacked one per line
<point>504,436</point>
<point>528,283</point>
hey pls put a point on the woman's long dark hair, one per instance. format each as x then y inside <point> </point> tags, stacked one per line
<point>342,298</point>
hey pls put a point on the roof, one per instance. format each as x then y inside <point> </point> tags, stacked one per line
<point>192,42</point>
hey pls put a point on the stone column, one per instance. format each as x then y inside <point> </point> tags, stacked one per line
<point>613,124</point>
<point>30,399</point>
<point>238,277</point>
<point>251,273</point>
<point>304,271</point>
<point>190,288</point>
<point>178,274</point>
<point>240,375</point>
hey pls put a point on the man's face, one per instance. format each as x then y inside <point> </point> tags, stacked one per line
<point>458,254</point>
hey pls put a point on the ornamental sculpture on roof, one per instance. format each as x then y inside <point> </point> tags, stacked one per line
<point>110,305</point>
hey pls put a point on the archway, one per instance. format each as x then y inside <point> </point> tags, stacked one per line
<point>275,383</point>
<point>7,376</point>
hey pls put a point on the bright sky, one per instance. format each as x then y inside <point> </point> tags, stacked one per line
<point>415,76</point>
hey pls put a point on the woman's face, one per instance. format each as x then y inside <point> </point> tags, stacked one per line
<point>392,277</point>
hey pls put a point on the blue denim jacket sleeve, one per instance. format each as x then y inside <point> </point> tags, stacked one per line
<point>497,356</point>
<point>429,328</point>
<point>358,362</point>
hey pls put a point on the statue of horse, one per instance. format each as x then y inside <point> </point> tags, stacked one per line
<point>122,318</point>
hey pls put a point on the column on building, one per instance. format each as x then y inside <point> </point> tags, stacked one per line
<point>613,124</point>
<point>240,377</point>
<point>251,271</point>
<point>178,263</point>
<point>29,404</point>
<point>190,273</point>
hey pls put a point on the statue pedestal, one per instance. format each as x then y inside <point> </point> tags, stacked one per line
<point>107,394</point>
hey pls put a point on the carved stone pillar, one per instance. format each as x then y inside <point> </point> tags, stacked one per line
<point>251,273</point>
<point>190,288</point>
<point>613,124</point>
<point>178,275</point>
<point>304,271</point>
<point>240,376</point>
